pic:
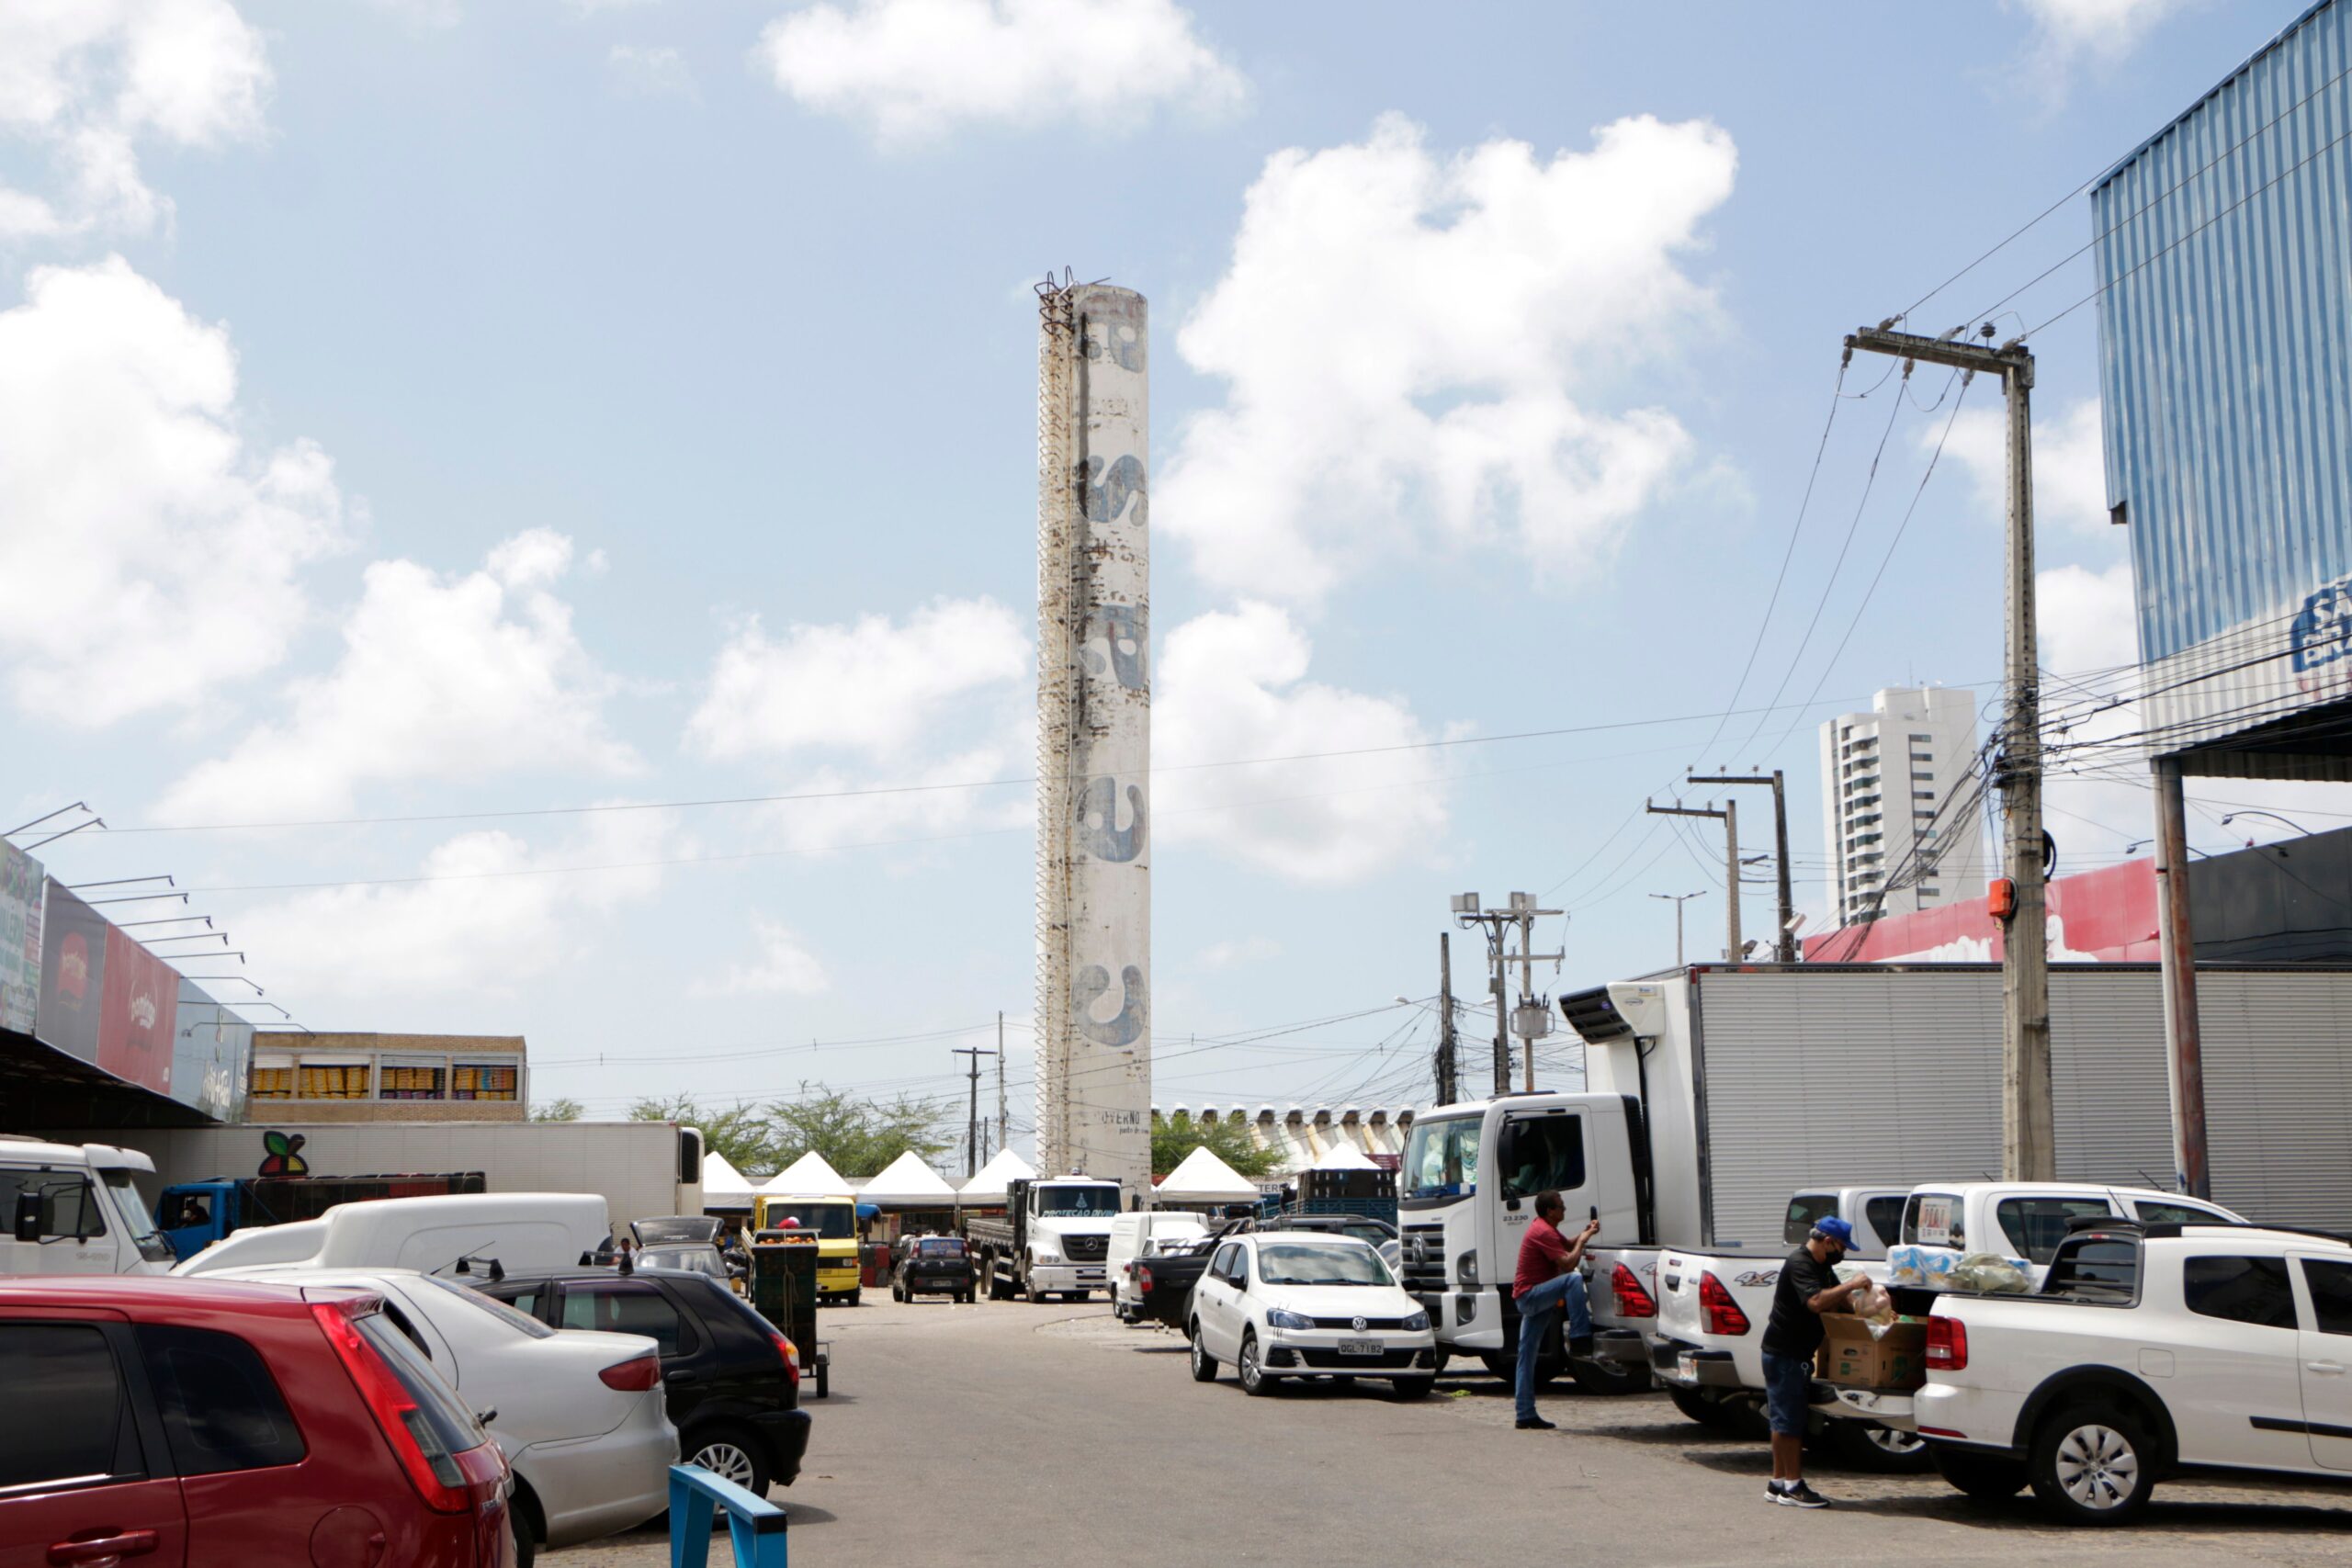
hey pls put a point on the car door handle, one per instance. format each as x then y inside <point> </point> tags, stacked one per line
<point>90,1548</point>
<point>2332,1369</point>
<point>679,1380</point>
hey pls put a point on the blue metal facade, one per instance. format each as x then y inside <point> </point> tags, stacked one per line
<point>2225,244</point>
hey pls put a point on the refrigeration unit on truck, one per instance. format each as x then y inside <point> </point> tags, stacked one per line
<point>1052,1240</point>
<point>1713,1093</point>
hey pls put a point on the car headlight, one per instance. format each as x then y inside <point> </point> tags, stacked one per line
<point>1281,1319</point>
<point>1416,1323</point>
<point>1465,1267</point>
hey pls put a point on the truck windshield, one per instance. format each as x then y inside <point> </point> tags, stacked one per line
<point>832,1221</point>
<point>1099,1200</point>
<point>149,1241</point>
<point>1296,1263</point>
<point>1441,1158</point>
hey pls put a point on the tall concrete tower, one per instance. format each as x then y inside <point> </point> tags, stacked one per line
<point>1093,735</point>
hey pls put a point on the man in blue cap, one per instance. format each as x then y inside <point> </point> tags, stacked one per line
<point>1808,1288</point>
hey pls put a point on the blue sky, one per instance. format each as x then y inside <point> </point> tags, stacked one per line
<point>427,409</point>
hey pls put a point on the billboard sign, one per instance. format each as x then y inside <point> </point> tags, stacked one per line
<point>73,954</point>
<point>20,905</point>
<point>104,997</point>
<point>213,1055</point>
<point>135,1014</point>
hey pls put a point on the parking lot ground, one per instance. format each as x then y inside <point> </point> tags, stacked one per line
<point>1007,1433</point>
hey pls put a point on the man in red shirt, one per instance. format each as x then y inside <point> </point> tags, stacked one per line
<point>1547,1281</point>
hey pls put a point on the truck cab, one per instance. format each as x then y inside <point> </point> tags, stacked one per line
<point>1466,1191</point>
<point>831,1217</point>
<point>75,1209</point>
<point>1054,1240</point>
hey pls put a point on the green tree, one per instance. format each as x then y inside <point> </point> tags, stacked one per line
<point>740,1133</point>
<point>1173,1138</point>
<point>556,1111</point>
<point>858,1137</point>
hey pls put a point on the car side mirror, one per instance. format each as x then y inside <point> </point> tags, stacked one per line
<point>487,1416</point>
<point>27,1216</point>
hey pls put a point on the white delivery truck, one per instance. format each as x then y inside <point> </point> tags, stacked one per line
<point>1053,1240</point>
<point>75,1209</point>
<point>1714,1092</point>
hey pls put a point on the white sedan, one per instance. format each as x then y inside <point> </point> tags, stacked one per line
<point>579,1414</point>
<point>1290,1303</point>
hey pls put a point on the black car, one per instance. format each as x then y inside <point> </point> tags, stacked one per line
<point>732,1384</point>
<point>1362,1227</point>
<point>932,1265</point>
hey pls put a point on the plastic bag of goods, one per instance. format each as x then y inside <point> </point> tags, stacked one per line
<point>1871,1304</point>
<point>1927,1266</point>
<point>1986,1273</point>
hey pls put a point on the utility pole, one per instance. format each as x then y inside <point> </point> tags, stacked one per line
<point>1784,945</point>
<point>1532,1020</point>
<point>1729,817</point>
<point>1003,1127</point>
<point>1678,900</point>
<point>2176,948</point>
<point>2028,1151</point>
<point>972,1118</point>
<point>1448,1068</point>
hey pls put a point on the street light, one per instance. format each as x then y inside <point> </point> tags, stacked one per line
<point>2297,827</point>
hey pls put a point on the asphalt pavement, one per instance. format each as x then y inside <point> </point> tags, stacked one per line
<point>1008,1433</point>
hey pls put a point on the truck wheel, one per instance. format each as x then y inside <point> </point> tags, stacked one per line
<point>1882,1450</point>
<point>999,1289</point>
<point>2090,1465</point>
<point>1031,1293</point>
<point>1698,1406</point>
<point>855,1294</point>
<point>1204,1364</point>
<point>1609,1378</point>
<point>1254,1380</point>
<point>1988,1478</point>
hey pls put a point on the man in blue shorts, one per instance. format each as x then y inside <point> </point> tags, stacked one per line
<point>1808,1288</point>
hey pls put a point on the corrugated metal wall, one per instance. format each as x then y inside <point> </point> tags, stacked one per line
<point>2225,340</point>
<point>1864,1075</point>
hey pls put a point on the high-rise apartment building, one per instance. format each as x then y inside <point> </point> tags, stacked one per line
<point>1885,776</point>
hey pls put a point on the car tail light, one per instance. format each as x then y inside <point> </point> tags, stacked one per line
<point>633,1376</point>
<point>1946,1345</point>
<point>1143,1279</point>
<point>790,1352</point>
<point>432,1469</point>
<point>1717,1310</point>
<point>1632,1300</point>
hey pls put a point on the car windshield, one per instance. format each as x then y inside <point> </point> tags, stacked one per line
<point>1305,1263</point>
<point>701,1259</point>
<point>506,1314</point>
<point>674,1230</point>
<point>831,1222</point>
<point>939,1247</point>
<point>1441,1158</point>
<point>1102,1198</point>
<point>149,1241</point>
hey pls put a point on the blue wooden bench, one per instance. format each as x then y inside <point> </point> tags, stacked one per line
<point>755,1524</point>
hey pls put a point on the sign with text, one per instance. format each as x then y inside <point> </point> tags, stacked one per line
<point>21,883</point>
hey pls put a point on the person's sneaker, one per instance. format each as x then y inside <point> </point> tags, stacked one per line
<point>1800,1496</point>
<point>1772,1490</point>
<point>1537,1424</point>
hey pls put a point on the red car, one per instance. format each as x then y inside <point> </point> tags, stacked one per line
<point>159,1422</point>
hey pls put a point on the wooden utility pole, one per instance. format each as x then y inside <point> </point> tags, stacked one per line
<point>972,1117</point>
<point>1447,1068</point>
<point>2176,948</point>
<point>1784,944</point>
<point>2029,1150</point>
<point>1729,817</point>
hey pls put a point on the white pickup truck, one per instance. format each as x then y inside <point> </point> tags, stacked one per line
<point>2151,1351</point>
<point>1705,1338</point>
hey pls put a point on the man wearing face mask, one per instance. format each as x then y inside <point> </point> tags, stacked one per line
<point>1808,1288</point>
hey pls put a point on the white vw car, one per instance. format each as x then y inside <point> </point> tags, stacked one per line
<point>1293,1303</point>
<point>580,1414</point>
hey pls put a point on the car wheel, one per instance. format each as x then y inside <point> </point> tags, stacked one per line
<point>2090,1465</point>
<point>1609,1378</point>
<point>522,1515</point>
<point>1411,1388</point>
<point>1988,1478</point>
<point>1204,1364</point>
<point>1881,1450</point>
<point>897,1294</point>
<point>1254,1380</point>
<point>731,1453</point>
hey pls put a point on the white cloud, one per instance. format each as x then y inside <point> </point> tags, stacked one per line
<point>1232,684</point>
<point>872,686</point>
<point>2069,466</point>
<point>150,553</point>
<point>86,81</point>
<point>1233,954</point>
<point>1412,343</point>
<point>650,71</point>
<point>2108,28</point>
<point>910,70</point>
<point>782,967</point>
<point>441,677</point>
<point>483,919</point>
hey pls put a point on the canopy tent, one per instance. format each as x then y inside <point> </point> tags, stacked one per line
<point>908,1183</point>
<point>1343,1155</point>
<point>990,1183</point>
<point>809,1174</point>
<point>723,1186</point>
<point>1202,1178</point>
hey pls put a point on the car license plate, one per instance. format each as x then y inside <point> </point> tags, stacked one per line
<point>1360,1346</point>
<point>1686,1367</point>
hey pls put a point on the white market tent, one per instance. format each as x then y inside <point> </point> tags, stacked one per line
<point>1343,1156</point>
<point>908,1183</point>
<point>723,1186</point>
<point>809,1174</point>
<point>1202,1178</point>
<point>990,1183</point>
